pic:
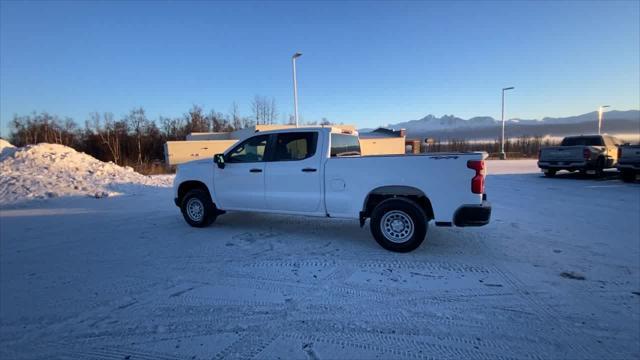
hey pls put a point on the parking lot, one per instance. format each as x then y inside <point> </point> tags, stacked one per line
<point>556,274</point>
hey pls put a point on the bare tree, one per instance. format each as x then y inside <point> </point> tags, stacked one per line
<point>138,122</point>
<point>257,107</point>
<point>218,122</point>
<point>264,110</point>
<point>272,112</point>
<point>196,120</point>
<point>173,128</point>
<point>234,117</point>
<point>106,130</point>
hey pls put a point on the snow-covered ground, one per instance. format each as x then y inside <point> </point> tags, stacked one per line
<point>125,278</point>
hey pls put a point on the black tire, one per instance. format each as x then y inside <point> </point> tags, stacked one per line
<point>193,198</point>
<point>628,175</point>
<point>403,210</point>
<point>550,173</point>
<point>600,167</point>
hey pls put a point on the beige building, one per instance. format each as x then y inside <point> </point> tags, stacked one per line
<point>383,141</point>
<point>206,144</point>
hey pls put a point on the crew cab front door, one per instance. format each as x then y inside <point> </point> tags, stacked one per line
<point>293,175</point>
<point>240,184</point>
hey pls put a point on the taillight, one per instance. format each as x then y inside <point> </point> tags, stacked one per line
<point>477,183</point>
<point>586,153</point>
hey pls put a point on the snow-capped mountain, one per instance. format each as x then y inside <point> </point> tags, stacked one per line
<point>431,122</point>
<point>451,122</point>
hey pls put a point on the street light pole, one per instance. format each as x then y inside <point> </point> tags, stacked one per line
<point>600,116</point>
<point>503,155</point>
<point>295,86</point>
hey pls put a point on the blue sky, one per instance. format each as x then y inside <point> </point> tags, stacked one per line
<point>368,63</point>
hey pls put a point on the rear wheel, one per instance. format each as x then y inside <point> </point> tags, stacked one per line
<point>628,175</point>
<point>198,209</point>
<point>550,173</point>
<point>398,225</point>
<point>600,167</point>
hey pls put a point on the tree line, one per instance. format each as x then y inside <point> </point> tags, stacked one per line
<point>134,139</point>
<point>137,141</point>
<point>520,147</point>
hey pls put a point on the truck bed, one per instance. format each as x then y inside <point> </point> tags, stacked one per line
<point>444,178</point>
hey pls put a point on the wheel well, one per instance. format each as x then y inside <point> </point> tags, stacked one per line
<point>378,195</point>
<point>187,186</point>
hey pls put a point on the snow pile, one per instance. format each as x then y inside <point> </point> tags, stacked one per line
<point>50,170</point>
<point>6,148</point>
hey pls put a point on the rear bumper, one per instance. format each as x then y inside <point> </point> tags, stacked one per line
<point>629,166</point>
<point>175,200</point>
<point>561,165</point>
<point>473,215</point>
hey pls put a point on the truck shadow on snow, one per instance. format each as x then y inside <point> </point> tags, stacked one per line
<point>323,236</point>
<point>565,175</point>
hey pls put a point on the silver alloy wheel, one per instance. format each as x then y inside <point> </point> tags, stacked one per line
<point>195,209</point>
<point>397,226</point>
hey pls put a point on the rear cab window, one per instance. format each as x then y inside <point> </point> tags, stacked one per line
<point>344,145</point>
<point>582,141</point>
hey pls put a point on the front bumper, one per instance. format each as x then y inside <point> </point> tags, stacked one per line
<point>473,215</point>
<point>175,200</point>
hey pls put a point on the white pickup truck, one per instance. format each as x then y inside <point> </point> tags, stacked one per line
<point>319,172</point>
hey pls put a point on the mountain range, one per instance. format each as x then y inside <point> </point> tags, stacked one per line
<point>485,127</point>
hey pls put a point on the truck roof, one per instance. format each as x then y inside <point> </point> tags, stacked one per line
<point>330,129</point>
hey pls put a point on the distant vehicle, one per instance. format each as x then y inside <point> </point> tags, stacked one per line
<point>590,154</point>
<point>629,162</point>
<point>319,172</point>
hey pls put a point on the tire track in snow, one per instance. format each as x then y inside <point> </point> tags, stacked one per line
<point>247,347</point>
<point>395,346</point>
<point>547,314</point>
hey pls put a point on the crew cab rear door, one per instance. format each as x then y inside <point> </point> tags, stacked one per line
<point>293,174</point>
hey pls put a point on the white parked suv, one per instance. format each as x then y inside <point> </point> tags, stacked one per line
<point>319,172</point>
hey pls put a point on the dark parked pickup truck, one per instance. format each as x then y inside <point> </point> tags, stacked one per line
<point>629,161</point>
<point>586,153</point>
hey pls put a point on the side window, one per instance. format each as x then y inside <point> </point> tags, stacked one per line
<point>295,146</point>
<point>250,150</point>
<point>344,145</point>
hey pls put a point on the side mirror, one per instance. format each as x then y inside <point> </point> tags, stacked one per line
<point>219,159</point>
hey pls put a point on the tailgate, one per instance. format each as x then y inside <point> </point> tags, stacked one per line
<point>630,153</point>
<point>562,153</point>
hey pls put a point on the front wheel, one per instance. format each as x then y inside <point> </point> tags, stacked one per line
<point>550,173</point>
<point>398,225</point>
<point>198,209</point>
